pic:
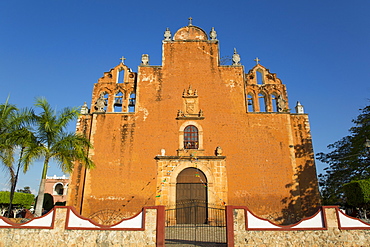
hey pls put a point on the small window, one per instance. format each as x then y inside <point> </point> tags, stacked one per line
<point>259,77</point>
<point>59,189</point>
<point>121,76</point>
<point>191,137</point>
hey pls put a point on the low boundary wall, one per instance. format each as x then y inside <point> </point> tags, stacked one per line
<point>328,227</point>
<point>63,226</point>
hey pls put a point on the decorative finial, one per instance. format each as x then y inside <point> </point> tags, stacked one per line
<point>218,151</point>
<point>123,59</point>
<point>236,58</point>
<point>180,113</point>
<point>190,91</point>
<point>257,60</point>
<point>84,109</point>
<point>145,59</point>
<point>190,21</point>
<point>299,108</point>
<point>167,34</point>
<point>213,34</point>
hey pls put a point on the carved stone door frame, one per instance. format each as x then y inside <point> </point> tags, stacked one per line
<point>169,168</point>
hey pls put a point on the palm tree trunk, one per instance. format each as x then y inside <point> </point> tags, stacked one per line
<point>40,196</point>
<point>14,184</point>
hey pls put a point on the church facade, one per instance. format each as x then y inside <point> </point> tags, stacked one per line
<point>192,129</point>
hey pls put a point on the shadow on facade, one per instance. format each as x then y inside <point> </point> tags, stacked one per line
<point>304,199</point>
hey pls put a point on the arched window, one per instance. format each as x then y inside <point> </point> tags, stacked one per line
<point>274,103</point>
<point>118,102</point>
<point>262,102</point>
<point>59,189</point>
<point>120,76</point>
<point>250,103</point>
<point>106,96</point>
<point>132,102</point>
<point>191,137</point>
<point>259,77</point>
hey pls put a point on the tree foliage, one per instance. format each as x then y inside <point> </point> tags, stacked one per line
<point>40,136</point>
<point>358,193</point>
<point>15,136</point>
<point>21,199</point>
<point>25,189</point>
<point>349,160</point>
<point>7,112</point>
<point>55,143</point>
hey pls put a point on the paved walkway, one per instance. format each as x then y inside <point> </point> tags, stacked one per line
<point>195,235</point>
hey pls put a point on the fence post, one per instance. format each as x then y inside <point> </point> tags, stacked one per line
<point>161,217</point>
<point>229,226</point>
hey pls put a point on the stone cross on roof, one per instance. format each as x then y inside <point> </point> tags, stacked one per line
<point>190,21</point>
<point>257,60</point>
<point>123,59</point>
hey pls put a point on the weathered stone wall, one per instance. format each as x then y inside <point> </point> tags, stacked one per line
<point>331,235</point>
<point>59,236</point>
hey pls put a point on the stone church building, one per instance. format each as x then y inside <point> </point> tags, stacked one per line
<point>192,129</point>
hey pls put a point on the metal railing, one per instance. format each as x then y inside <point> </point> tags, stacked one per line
<point>195,223</point>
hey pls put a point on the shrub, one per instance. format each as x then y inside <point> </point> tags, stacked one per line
<point>22,199</point>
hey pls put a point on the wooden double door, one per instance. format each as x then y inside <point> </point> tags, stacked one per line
<point>191,197</point>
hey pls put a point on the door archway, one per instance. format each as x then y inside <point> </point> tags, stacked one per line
<point>191,197</point>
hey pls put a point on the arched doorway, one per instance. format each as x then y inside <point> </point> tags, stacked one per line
<point>191,197</point>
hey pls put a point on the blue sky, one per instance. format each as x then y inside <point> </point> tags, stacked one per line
<point>59,49</point>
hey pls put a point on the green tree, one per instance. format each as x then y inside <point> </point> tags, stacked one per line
<point>348,160</point>
<point>15,136</point>
<point>55,143</point>
<point>25,189</point>
<point>21,199</point>
<point>357,194</point>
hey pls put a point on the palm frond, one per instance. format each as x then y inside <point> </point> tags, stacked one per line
<point>31,154</point>
<point>71,148</point>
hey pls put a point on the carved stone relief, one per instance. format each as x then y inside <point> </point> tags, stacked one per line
<point>100,103</point>
<point>190,108</point>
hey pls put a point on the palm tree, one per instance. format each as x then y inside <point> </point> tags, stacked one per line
<point>6,152</point>
<point>55,143</point>
<point>15,135</point>
<point>21,139</point>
